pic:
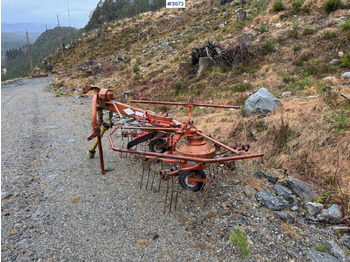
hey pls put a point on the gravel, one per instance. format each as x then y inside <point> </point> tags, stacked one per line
<point>56,206</point>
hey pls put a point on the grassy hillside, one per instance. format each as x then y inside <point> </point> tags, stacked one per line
<point>292,45</point>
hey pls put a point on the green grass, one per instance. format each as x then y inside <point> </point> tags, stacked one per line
<point>332,5</point>
<point>322,248</point>
<point>297,4</point>
<point>345,61</point>
<point>267,47</point>
<point>278,6</point>
<point>239,238</point>
<point>329,35</point>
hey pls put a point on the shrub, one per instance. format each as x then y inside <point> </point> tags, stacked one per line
<point>239,238</point>
<point>297,4</point>
<point>278,6</point>
<point>177,86</point>
<point>329,35</point>
<point>267,47</point>
<point>345,61</point>
<point>342,119</point>
<point>308,31</point>
<point>345,26</point>
<point>332,5</point>
<point>263,29</point>
<point>136,68</point>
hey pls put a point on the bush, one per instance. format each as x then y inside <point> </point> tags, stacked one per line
<point>332,5</point>
<point>239,238</point>
<point>345,61</point>
<point>297,4</point>
<point>329,35</point>
<point>136,68</point>
<point>267,47</point>
<point>345,26</point>
<point>278,6</point>
<point>263,29</point>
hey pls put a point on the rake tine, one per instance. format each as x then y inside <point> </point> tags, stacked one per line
<point>154,174</point>
<point>177,193</point>
<point>143,171</point>
<point>166,195</point>
<point>149,171</point>
<point>172,193</point>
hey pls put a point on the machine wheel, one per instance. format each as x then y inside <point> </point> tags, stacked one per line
<point>196,186</point>
<point>158,145</point>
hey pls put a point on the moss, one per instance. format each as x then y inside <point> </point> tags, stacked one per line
<point>322,248</point>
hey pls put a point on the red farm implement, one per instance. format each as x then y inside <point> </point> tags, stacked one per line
<point>187,149</point>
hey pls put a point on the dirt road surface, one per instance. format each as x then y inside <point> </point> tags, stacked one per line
<point>56,206</point>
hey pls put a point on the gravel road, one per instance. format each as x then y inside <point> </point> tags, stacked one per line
<point>56,206</point>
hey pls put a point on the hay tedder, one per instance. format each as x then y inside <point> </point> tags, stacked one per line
<point>186,150</point>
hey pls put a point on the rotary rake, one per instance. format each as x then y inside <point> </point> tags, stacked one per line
<point>184,149</point>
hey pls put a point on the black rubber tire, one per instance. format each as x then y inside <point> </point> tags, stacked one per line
<point>153,147</point>
<point>184,176</point>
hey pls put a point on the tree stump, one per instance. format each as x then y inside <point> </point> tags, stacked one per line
<point>203,62</point>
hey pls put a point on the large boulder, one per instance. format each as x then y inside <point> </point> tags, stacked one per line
<point>302,189</point>
<point>270,201</point>
<point>331,215</point>
<point>260,103</point>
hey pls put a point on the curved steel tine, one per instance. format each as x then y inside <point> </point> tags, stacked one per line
<point>143,172</point>
<point>177,193</point>
<point>166,195</point>
<point>149,171</point>
<point>172,193</point>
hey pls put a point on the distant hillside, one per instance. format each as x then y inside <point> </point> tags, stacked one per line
<point>30,27</point>
<point>46,43</point>
<point>10,40</point>
<point>109,10</point>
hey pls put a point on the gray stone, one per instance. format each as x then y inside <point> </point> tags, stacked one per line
<point>318,256</point>
<point>270,201</point>
<point>334,61</point>
<point>314,208</point>
<point>286,94</point>
<point>271,178</point>
<point>261,103</point>
<point>302,189</point>
<point>346,75</point>
<point>78,89</point>
<point>249,191</point>
<point>346,240</point>
<point>331,215</point>
<point>36,214</point>
<point>285,217</point>
<point>221,25</point>
<point>338,252</point>
<point>286,193</point>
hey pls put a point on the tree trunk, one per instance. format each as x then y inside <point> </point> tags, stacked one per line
<point>30,52</point>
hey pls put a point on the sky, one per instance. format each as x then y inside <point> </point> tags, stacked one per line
<point>45,11</point>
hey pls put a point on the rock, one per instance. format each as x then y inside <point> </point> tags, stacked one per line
<point>340,20</point>
<point>311,219</point>
<point>336,251</point>
<point>6,195</point>
<point>340,54</point>
<point>262,102</point>
<point>314,208</point>
<point>346,75</point>
<point>334,61</point>
<point>270,201</point>
<point>36,214</point>
<point>346,240</point>
<point>286,193</point>
<point>318,256</point>
<point>331,215</point>
<point>286,94</point>
<point>302,189</point>
<point>278,25</point>
<point>222,25</point>
<point>182,65</point>
<point>78,89</point>
<point>249,191</point>
<point>271,178</point>
<point>285,217</point>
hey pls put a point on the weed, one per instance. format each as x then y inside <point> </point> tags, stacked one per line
<point>178,85</point>
<point>342,119</point>
<point>314,68</point>
<point>328,95</point>
<point>329,35</point>
<point>188,38</point>
<point>324,198</point>
<point>332,5</point>
<point>241,87</point>
<point>82,55</point>
<point>322,248</point>
<point>345,61</point>
<point>297,4</point>
<point>136,68</point>
<point>278,6</point>
<point>262,5</point>
<point>309,31</point>
<point>260,125</point>
<point>156,236</point>
<point>345,26</point>
<point>263,29</point>
<point>267,47</point>
<point>238,237</point>
<point>283,134</point>
<point>138,61</point>
<point>296,48</point>
<point>302,59</point>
